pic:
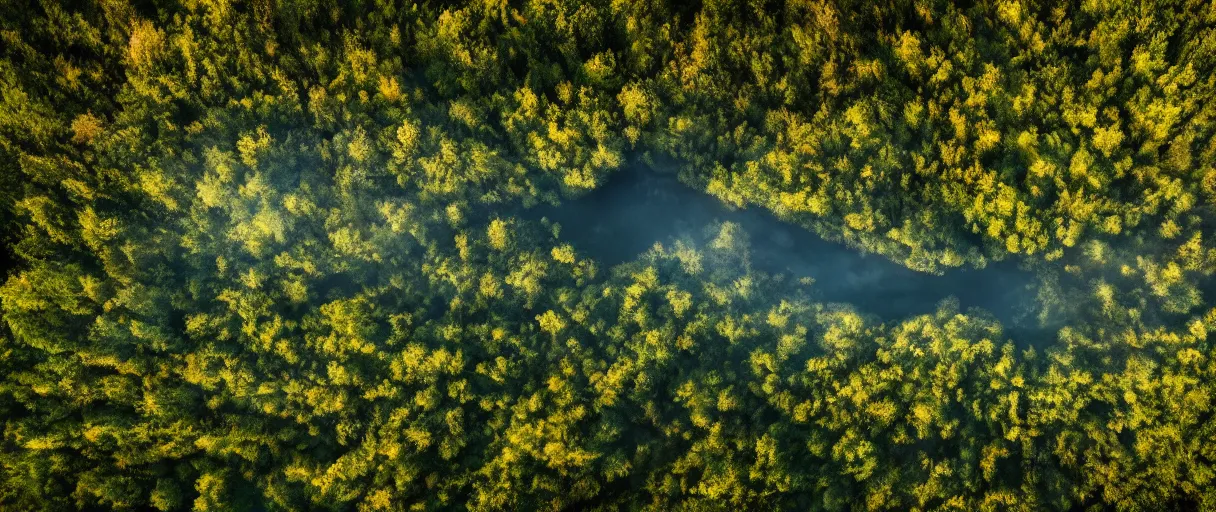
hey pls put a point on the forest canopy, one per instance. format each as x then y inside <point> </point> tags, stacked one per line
<point>284,255</point>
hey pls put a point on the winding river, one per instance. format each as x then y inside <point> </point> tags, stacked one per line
<point>637,208</point>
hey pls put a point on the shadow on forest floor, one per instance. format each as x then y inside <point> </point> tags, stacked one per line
<point>637,208</point>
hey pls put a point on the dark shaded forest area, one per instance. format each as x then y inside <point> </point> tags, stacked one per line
<point>607,255</point>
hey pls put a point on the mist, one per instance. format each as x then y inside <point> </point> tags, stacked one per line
<point>637,208</point>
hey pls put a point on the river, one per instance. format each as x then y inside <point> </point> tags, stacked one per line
<point>637,208</point>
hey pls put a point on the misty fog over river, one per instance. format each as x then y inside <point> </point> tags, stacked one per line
<point>637,208</point>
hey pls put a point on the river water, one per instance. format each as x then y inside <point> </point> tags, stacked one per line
<point>637,208</point>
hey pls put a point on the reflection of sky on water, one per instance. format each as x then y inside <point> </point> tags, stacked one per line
<point>635,209</point>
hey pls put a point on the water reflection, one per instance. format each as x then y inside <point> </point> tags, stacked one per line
<point>637,208</point>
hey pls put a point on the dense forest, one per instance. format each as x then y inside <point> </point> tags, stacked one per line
<point>307,255</point>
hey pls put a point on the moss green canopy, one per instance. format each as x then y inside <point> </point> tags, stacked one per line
<point>269,255</point>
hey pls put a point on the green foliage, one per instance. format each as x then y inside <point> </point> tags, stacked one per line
<point>278,255</point>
